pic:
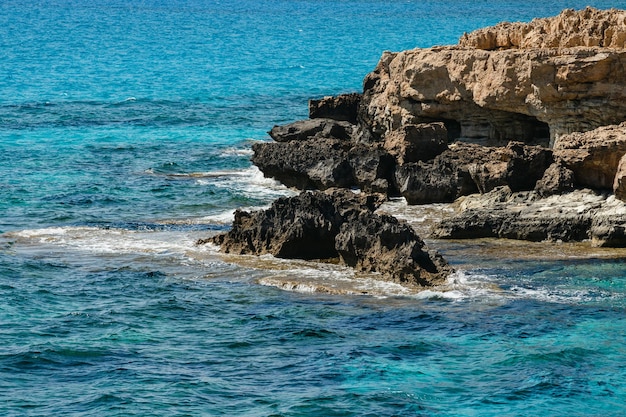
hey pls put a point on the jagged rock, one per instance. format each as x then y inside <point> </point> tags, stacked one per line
<point>517,165</point>
<point>310,164</point>
<point>381,243</point>
<point>318,225</point>
<point>619,184</point>
<point>343,107</point>
<point>372,168</point>
<point>442,180</point>
<point>302,227</point>
<point>312,128</point>
<point>469,168</point>
<point>421,142</point>
<point>589,27</point>
<point>593,156</point>
<point>494,96</point>
<point>325,163</point>
<point>556,180</point>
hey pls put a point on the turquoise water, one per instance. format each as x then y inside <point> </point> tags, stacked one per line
<point>125,135</point>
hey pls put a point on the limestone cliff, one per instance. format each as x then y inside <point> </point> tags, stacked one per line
<point>528,82</point>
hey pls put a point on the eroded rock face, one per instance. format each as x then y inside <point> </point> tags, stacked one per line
<point>413,143</point>
<point>469,168</point>
<point>492,96</point>
<point>593,156</point>
<point>557,179</point>
<point>589,28</point>
<point>343,107</point>
<point>338,223</point>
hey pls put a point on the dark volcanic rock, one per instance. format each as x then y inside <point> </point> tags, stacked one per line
<point>325,163</point>
<point>302,227</point>
<point>469,168</point>
<point>372,168</point>
<point>442,180</point>
<point>318,225</point>
<point>343,107</point>
<point>381,243</point>
<point>311,164</point>
<point>312,128</point>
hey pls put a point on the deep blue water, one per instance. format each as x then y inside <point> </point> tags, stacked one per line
<point>125,135</point>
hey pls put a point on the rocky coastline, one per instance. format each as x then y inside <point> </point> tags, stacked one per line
<point>520,127</point>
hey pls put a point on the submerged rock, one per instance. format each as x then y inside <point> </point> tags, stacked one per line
<point>336,224</point>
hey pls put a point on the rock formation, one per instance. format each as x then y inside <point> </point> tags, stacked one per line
<point>520,123</point>
<point>589,28</point>
<point>501,213</point>
<point>593,156</point>
<point>491,97</point>
<point>336,224</point>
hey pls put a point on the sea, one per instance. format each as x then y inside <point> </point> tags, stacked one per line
<point>126,129</point>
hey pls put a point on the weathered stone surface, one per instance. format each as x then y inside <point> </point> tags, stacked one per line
<point>589,27</point>
<point>556,180</point>
<point>381,243</point>
<point>312,128</point>
<point>494,96</point>
<point>372,168</point>
<point>608,226</point>
<point>421,142</point>
<point>469,168</point>
<point>339,223</point>
<point>309,164</point>
<point>325,163</point>
<point>619,184</point>
<point>593,156</point>
<point>443,180</point>
<point>576,216</point>
<point>342,107</point>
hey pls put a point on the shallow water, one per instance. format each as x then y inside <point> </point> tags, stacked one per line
<point>125,135</point>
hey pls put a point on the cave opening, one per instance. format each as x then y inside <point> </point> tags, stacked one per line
<point>500,129</point>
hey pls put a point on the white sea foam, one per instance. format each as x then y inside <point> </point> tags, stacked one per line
<point>110,240</point>
<point>237,152</point>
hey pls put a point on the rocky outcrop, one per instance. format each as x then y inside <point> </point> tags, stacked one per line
<point>527,93</point>
<point>589,28</point>
<point>343,107</point>
<point>524,115</point>
<point>312,129</point>
<point>557,179</point>
<point>413,143</point>
<point>325,163</point>
<point>336,224</point>
<point>576,216</point>
<point>593,156</point>
<point>469,168</point>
